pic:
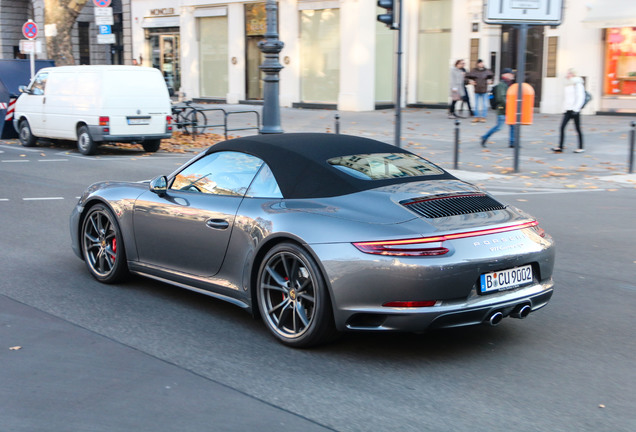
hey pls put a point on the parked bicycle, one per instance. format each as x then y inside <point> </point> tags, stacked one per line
<point>189,118</point>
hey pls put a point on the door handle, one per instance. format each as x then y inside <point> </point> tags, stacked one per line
<point>217,224</point>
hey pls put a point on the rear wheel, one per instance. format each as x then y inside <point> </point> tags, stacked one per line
<point>293,298</point>
<point>103,245</point>
<point>26,136</point>
<point>151,145</point>
<point>85,143</point>
<point>196,122</point>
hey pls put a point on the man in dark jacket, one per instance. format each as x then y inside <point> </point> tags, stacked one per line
<point>499,92</point>
<point>481,77</point>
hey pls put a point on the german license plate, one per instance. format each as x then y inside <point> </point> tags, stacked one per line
<point>506,279</point>
<point>138,120</point>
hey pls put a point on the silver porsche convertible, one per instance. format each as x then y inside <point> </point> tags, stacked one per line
<point>319,234</point>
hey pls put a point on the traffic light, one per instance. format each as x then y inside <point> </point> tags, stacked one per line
<point>391,17</point>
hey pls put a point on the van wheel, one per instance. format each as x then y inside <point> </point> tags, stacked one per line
<point>26,137</point>
<point>85,143</point>
<point>151,145</point>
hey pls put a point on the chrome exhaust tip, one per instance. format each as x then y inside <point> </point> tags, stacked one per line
<point>521,311</point>
<point>495,319</point>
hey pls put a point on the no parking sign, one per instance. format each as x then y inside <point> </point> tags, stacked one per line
<point>30,30</point>
<point>102,3</point>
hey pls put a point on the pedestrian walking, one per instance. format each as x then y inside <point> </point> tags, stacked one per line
<point>573,101</point>
<point>457,89</point>
<point>466,97</point>
<point>482,77</point>
<point>499,93</point>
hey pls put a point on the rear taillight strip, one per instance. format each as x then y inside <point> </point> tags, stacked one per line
<point>445,237</point>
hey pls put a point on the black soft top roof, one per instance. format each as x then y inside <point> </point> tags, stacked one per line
<point>299,162</point>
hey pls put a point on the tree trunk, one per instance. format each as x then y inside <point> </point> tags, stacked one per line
<point>63,14</point>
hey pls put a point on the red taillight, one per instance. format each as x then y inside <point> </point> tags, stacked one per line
<point>405,248</point>
<point>410,304</point>
<point>104,121</point>
<point>169,123</point>
<point>429,246</point>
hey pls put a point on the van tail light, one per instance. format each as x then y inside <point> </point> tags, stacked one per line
<point>433,246</point>
<point>104,122</point>
<point>168,123</point>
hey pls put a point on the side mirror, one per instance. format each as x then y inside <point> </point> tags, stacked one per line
<point>159,185</point>
<point>23,89</point>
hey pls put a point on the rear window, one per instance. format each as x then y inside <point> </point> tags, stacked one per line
<point>379,166</point>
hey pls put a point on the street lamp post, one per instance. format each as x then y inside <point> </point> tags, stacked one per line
<point>271,47</point>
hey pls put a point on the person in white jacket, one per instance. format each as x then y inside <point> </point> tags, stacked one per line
<point>573,100</point>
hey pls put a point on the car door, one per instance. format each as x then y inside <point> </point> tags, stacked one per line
<point>188,228</point>
<point>33,103</point>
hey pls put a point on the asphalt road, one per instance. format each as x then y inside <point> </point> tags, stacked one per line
<point>569,367</point>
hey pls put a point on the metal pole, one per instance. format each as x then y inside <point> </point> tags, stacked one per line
<point>32,62</point>
<point>521,74</point>
<point>398,89</point>
<point>632,137</point>
<point>456,164</point>
<point>337,117</point>
<point>271,47</point>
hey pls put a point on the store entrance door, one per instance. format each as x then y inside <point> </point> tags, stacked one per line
<point>254,58</point>
<point>165,56</point>
<point>534,55</point>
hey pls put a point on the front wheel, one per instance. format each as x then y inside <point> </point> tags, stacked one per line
<point>293,297</point>
<point>151,145</point>
<point>103,245</point>
<point>26,136</point>
<point>85,143</point>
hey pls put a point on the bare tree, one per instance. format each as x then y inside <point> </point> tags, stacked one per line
<point>63,14</point>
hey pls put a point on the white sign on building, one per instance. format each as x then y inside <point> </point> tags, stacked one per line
<point>546,12</point>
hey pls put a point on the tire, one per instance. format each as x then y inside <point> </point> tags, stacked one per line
<point>293,298</point>
<point>195,122</point>
<point>103,245</point>
<point>85,143</point>
<point>151,145</point>
<point>26,136</point>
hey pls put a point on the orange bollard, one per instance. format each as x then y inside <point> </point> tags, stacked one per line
<point>527,104</point>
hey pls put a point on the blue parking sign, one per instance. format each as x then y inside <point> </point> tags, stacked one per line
<point>104,29</point>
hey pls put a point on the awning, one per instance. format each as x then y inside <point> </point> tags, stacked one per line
<point>611,13</point>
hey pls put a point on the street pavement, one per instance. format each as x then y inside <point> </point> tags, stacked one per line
<point>48,355</point>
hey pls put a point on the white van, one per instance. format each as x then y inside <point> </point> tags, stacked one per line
<point>95,104</point>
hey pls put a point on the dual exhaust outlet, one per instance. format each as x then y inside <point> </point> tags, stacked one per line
<point>520,311</point>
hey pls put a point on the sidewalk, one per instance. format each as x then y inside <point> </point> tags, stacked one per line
<point>431,134</point>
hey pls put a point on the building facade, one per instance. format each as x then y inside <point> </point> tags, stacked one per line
<point>86,49</point>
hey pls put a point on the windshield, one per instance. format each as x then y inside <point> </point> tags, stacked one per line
<point>378,166</point>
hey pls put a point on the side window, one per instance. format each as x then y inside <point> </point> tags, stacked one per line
<point>39,83</point>
<point>264,185</point>
<point>222,173</point>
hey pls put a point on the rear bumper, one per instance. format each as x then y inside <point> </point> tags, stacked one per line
<point>98,135</point>
<point>450,314</point>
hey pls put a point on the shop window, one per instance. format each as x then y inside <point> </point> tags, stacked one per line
<point>320,55</point>
<point>620,61</point>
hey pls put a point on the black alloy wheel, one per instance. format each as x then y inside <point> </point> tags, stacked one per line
<point>103,246</point>
<point>293,298</point>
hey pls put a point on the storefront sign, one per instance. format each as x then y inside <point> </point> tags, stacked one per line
<point>162,12</point>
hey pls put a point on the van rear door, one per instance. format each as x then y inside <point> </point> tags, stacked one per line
<point>136,101</point>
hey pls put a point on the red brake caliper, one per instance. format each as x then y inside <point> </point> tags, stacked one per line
<point>115,245</point>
